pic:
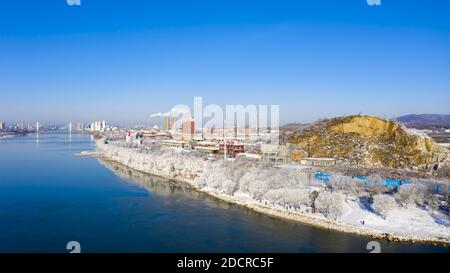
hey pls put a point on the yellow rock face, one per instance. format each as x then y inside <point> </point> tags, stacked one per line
<point>365,125</point>
<point>369,141</point>
<point>298,155</point>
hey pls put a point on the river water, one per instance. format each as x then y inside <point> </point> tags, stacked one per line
<point>49,196</point>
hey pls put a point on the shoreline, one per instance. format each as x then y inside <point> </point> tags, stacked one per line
<point>8,134</point>
<point>302,219</point>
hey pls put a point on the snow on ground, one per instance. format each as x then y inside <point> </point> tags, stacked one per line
<point>415,132</point>
<point>410,221</point>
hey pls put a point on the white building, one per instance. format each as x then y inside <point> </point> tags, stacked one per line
<point>318,162</point>
<point>173,143</point>
<point>98,126</point>
<point>275,153</point>
<point>249,156</point>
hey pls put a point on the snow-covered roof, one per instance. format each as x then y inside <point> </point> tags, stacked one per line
<point>293,167</point>
<point>319,159</point>
<point>207,148</point>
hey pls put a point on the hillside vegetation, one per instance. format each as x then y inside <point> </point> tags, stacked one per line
<point>369,141</point>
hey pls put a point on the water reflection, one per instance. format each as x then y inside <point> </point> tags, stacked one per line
<point>164,187</point>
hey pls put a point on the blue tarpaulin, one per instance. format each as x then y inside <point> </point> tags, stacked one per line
<point>325,178</point>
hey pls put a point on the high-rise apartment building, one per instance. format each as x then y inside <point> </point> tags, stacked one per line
<point>188,128</point>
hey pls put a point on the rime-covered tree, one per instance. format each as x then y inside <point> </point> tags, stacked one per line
<point>312,199</point>
<point>404,195</point>
<point>383,204</point>
<point>330,204</point>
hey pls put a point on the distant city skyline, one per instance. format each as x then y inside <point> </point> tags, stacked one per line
<point>125,60</point>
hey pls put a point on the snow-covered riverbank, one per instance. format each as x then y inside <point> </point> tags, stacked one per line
<point>282,193</point>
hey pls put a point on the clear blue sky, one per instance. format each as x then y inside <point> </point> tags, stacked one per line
<point>123,60</point>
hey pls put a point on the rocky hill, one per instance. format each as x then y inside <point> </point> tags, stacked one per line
<point>369,141</point>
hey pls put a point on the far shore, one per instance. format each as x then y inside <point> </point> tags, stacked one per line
<point>13,133</point>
